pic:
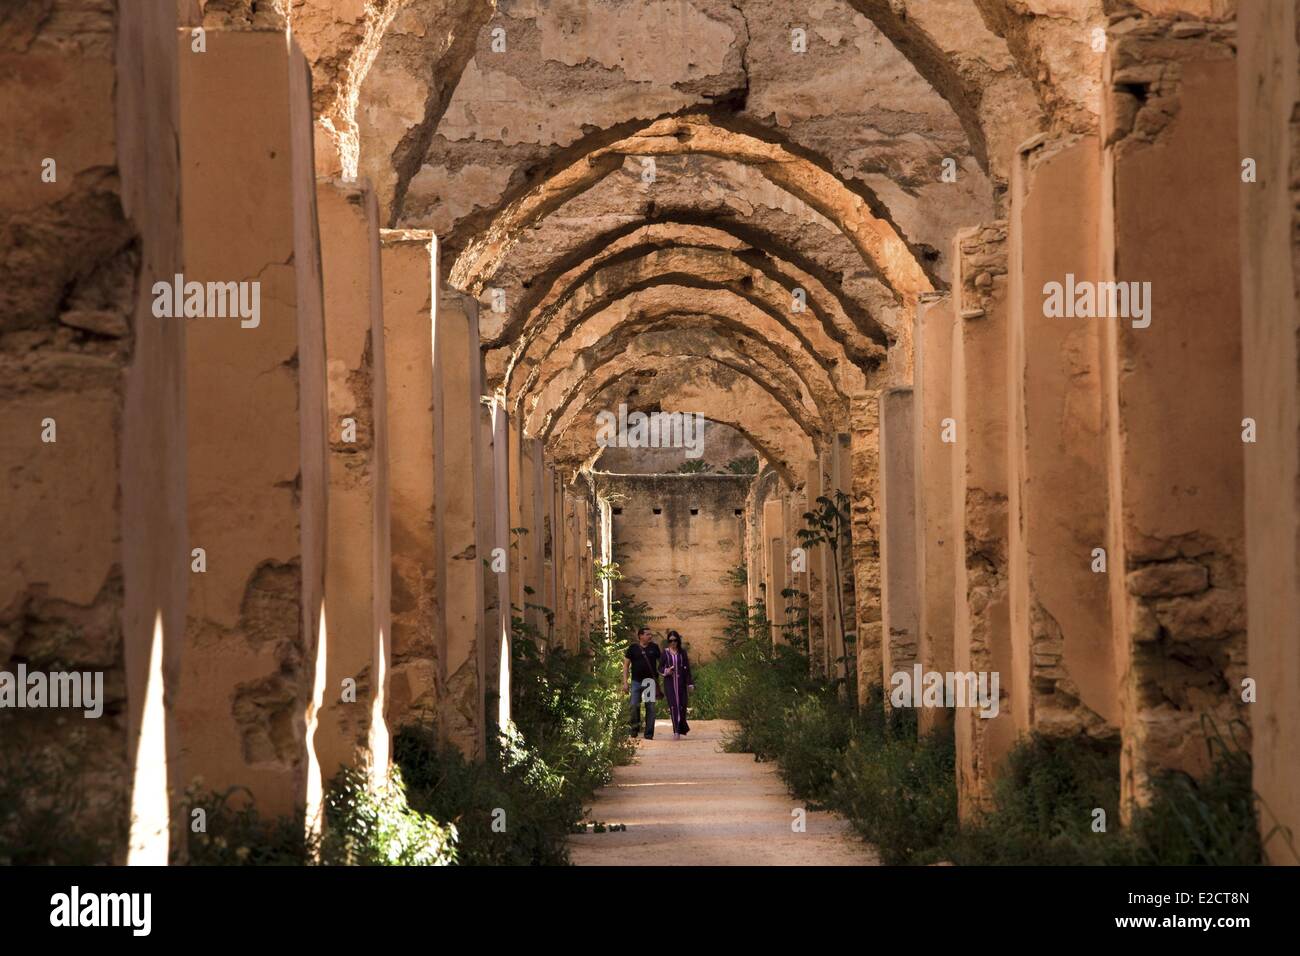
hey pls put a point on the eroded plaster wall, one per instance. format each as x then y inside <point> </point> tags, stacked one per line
<point>682,560</point>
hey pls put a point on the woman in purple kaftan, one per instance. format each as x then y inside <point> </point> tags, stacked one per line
<point>676,671</point>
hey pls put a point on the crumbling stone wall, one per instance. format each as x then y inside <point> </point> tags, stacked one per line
<point>981,633</point>
<point>1177,523</point>
<point>680,560</point>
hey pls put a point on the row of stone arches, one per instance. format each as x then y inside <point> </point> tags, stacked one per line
<point>536,276</point>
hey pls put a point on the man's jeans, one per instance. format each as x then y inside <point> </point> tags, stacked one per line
<point>634,699</point>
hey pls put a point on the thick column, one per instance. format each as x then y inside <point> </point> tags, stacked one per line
<point>981,624</point>
<point>936,539</point>
<point>856,463</point>
<point>518,540</point>
<point>257,423</point>
<point>558,543</point>
<point>586,578</point>
<point>833,600</point>
<point>754,552</point>
<point>1269,124</point>
<point>549,594</point>
<point>153,456</point>
<point>898,534</point>
<point>532,543</point>
<point>485,520</point>
<point>559,548</point>
<point>569,569</point>
<point>1174,397</point>
<point>795,506</point>
<point>458,379</point>
<point>94,569</point>
<point>776,563</point>
<point>1063,678</point>
<point>816,579</point>
<point>410,275</point>
<point>606,544</point>
<point>502,503</point>
<point>352,729</point>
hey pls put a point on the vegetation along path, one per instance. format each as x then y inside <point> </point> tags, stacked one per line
<point>688,802</point>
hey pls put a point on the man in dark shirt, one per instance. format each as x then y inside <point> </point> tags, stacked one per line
<point>643,660</point>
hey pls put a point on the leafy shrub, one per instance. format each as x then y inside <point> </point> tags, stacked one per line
<point>51,813</point>
<point>899,790</point>
<point>1042,806</point>
<point>1212,821</point>
<point>900,794</point>
<point>519,805</point>
<point>235,834</point>
<point>375,826</point>
<point>817,734</point>
<point>508,809</point>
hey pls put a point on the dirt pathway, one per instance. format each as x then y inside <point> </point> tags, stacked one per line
<point>687,802</point>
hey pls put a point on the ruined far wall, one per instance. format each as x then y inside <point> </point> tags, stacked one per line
<point>680,563</point>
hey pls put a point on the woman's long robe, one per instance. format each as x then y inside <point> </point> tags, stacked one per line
<point>675,687</point>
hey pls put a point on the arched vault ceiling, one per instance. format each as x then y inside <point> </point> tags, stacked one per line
<point>566,394</point>
<point>642,255</point>
<point>688,191</point>
<point>385,71</point>
<point>809,306</point>
<point>689,385</point>
<point>806,393</point>
<point>882,107</point>
<point>800,339</point>
<point>853,212</point>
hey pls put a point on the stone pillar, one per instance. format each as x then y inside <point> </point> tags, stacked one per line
<point>485,527</point>
<point>559,562</point>
<point>558,542</point>
<point>533,543</point>
<point>936,538</point>
<point>410,275</point>
<point>755,562</point>
<point>1174,396</point>
<point>795,506</point>
<point>358,592</point>
<point>776,556</point>
<point>981,623</point>
<point>1063,678</point>
<point>898,534</point>
<point>816,578</point>
<point>153,497</point>
<point>586,578</point>
<point>518,540</point>
<point>1269,91</point>
<point>569,568</point>
<point>833,600</point>
<point>502,503</point>
<point>95,567</point>
<point>549,595</point>
<point>458,378</point>
<point>856,460</point>
<point>606,533</point>
<point>257,424</point>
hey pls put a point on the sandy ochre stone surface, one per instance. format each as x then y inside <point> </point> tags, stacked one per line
<point>688,803</point>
